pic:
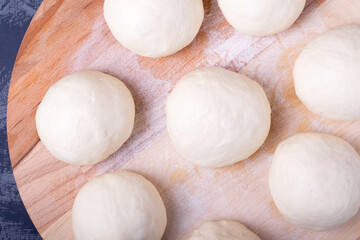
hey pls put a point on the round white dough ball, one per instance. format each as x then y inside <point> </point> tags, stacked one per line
<point>118,206</point>
<point>154,28</point>
<point>315,180</point>
<point>326,74</point>
<point>85,117</point>
<point>261,17</point>
<point>216,117</point>
<point>220,230</point>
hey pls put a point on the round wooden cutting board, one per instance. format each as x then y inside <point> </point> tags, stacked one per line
<point>67,36</point>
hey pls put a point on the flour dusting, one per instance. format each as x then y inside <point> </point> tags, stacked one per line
<point>193,194</point>
<point>223,193</point>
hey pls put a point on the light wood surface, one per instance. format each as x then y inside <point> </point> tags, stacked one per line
<point>66,36</point>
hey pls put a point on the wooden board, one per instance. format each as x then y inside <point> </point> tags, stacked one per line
<point>66,36</point>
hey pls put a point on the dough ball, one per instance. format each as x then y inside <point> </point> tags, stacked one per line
<point>221,230</point>
<point>261,17</point>
<point>118,206</point>
<point>315,180</point>
<point>327,74</point>
<point>216,117</point>
<point>85,117</point>
<point>154,28</point>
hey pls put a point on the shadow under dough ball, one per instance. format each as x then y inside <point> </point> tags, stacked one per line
<point>216,117</point>
<point>85,117</point>
<point>154,28</point>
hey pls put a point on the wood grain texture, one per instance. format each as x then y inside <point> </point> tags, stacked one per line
<point>66,36</point>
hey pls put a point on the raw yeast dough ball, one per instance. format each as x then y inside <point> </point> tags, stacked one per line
<point>327,74</point>
<point>118,206</point>
<point>315,180</point>
<point>216,117</point>
<point>261,17</point>
<point>221,230</point>
<point>154,28</point>
<point>85,117</point>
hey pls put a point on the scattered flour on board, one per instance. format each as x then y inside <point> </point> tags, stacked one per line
<point>181,217</point>
<point>271,69</point>
<point>236,53</point>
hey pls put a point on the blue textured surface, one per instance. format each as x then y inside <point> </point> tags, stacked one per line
<point>15,16</point>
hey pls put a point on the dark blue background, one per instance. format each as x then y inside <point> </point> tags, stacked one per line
<point>15,16</point>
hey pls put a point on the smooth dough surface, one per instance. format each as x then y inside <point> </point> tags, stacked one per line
<point>315,180</point>
<point>223,230</point>
<point>216,117</point>
<point>118,206</point>
<point>261,17</point>
<point>326,74</point>
<point>154,28</point>
<point>85,117</point>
